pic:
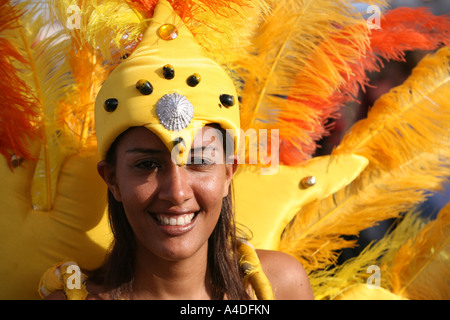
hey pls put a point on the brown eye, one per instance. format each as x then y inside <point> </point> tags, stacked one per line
<point>193,80</point>
<point>168,72</point>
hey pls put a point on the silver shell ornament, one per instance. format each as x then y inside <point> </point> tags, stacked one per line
<point>174,111</point>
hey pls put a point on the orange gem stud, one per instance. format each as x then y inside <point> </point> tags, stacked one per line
<point>168,32</point>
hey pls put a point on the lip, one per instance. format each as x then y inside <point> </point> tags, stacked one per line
<point>175,230</point>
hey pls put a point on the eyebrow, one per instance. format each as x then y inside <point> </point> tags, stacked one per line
<point>156,151</point>
<point>208,147</point>
<point>144,150</point>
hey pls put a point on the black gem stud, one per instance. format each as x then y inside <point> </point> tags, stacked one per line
<point>16,160</point>
<point>144,87</point>
<point>111,104</point>
<point>227,100</point>
<point>193,80</point>
<point>168,72</point>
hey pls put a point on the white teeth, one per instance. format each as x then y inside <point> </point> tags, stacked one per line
<point>180,220</point>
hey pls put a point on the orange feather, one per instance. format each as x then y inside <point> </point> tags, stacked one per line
<point>402,29</point>
<point>18,113</point>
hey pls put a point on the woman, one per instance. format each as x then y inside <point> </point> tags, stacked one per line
<point>174,228</point>
<point>169,188</point>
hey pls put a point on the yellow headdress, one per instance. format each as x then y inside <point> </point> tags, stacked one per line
<point>167,85</point>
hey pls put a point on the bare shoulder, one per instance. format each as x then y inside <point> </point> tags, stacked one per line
<point>286,275</point>
<point>56,295</point>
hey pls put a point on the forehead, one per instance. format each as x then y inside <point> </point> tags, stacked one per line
<point>144,138</point>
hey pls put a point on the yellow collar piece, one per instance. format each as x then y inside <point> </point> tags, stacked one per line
<point>167,85</point>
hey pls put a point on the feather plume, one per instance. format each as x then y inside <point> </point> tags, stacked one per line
<point>421,268</point>
<point>404,29</point>
<point>401,29</point>
<point>112,27</point>
<point>416,113</point>
<point>315,235</point>
<point>47,76</point>
<point>306,60</point>
<point>413,259</point>
<point>405,138</point>
<point>115,27</point>
<point>332,282</point>
<point>18,112</point>
<point>76,110</point>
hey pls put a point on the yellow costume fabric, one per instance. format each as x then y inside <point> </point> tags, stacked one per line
<point>33,240</point>
<point>254,274</point>
<point>67,277</point>
<point>330,174</point>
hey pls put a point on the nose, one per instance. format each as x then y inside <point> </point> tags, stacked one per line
<point>175,185</point>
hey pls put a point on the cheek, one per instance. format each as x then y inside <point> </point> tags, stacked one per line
<point>135,192</point>
<point>210,192</point>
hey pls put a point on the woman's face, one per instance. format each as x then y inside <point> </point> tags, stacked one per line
<point>172,209</point>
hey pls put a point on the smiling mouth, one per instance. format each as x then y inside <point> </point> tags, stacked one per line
<point>175,220</point>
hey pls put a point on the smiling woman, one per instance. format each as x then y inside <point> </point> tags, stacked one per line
<point>165,143</point>
<point>164,214</point>
<point>174,231</point>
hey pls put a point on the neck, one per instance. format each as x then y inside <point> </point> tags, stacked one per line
<point>156,278</point>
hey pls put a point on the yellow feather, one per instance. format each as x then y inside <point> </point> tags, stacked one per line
<point>298,52</point>
<point>315,235</point>
<point>48,75</point>
<point>116,26</point>
<point>109,26</point>
<point>413,261</point>
<point>332,283</point>
<point>416,113</point>
<point>226,33</point>
<point>76,110</point>
<point>399,174</point>
<point>421,267</point>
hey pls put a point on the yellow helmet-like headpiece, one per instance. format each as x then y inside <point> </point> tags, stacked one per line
<point>167,85</point>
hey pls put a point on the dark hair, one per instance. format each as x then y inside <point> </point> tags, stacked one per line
<point>226,276</point>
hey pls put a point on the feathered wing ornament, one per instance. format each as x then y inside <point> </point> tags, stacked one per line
<point>332,73</point>
<point>41,75</point>
<point>405,138</point>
